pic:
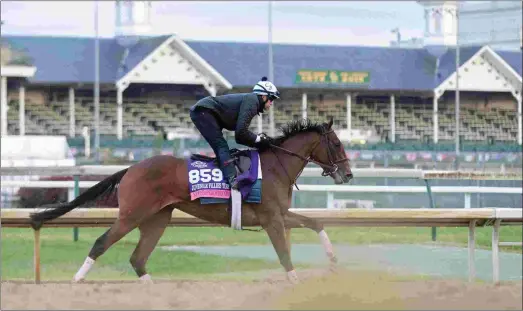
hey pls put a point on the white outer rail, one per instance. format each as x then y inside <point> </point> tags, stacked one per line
<point>330,189</point>
<point>307,172</point>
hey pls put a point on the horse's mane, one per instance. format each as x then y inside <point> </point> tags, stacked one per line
<point>296,127</point>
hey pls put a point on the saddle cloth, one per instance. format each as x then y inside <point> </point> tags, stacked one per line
<point>206,181</point>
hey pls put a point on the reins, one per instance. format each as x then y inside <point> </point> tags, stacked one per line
<point>328,169</point>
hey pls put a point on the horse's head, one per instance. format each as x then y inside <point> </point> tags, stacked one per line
<point>331,154</point>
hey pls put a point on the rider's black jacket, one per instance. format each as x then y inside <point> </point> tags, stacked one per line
<point>234,112</point>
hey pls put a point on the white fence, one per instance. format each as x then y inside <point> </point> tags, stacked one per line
<point>308,172</point>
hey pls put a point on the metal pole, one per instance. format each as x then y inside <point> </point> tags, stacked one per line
<point>3,106</point>
<point>271,69</point>
<point>435,104</point>
<point>96,85</point>
<point>21,115</point>
<point>457,104</point>
<point>392,118</point>
<point>432,205</point>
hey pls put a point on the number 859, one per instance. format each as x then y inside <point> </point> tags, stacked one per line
<point>205,175</point>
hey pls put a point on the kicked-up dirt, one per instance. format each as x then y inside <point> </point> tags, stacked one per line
<point>318,290</point>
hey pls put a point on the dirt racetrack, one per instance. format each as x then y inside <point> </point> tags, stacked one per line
<point>318,290</point>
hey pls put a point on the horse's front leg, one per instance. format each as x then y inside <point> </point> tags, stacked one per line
<point>274,226</point>
<point>293,220</point>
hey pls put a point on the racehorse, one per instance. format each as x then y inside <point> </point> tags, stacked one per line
<point>150,190</point>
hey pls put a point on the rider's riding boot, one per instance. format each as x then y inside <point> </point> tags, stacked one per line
<point>230,175</point>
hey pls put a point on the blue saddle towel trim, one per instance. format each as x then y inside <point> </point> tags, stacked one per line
<point>253,197</point>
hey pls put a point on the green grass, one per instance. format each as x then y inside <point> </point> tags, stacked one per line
<point>61,256</point>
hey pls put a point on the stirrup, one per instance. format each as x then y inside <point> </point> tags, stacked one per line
<point>233,183</point>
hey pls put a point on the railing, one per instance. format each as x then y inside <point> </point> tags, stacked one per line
<point>101,217</point>
<point>77,171</point>
<point>329,189</point>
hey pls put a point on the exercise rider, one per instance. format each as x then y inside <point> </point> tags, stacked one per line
<point>233,112</point>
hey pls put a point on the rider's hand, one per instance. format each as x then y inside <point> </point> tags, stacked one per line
<point>264,142</point>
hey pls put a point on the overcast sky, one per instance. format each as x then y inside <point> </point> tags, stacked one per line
<point>319,22</point>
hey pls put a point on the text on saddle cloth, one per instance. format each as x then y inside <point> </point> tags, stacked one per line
<point>206,180</point>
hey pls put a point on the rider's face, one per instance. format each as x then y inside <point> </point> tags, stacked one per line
<point>268,104</point>
<point>268,101</point>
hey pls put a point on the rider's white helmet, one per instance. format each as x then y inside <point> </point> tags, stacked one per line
<point>265,87</point>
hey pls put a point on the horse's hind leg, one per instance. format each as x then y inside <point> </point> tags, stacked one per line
<point>293,220</point>
<point>117,231</point>
<point>274,226</point>
<point>151,230</point>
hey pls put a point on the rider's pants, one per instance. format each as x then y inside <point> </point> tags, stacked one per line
<point>206,123</point>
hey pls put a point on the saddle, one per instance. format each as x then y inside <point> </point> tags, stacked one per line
<point>240,158</point>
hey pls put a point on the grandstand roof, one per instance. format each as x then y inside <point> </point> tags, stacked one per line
<point>70,60</point>
<point>486,70</point>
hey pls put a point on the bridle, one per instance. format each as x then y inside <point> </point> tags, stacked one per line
<point>328,169</point>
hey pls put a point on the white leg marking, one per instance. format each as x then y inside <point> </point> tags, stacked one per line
<point>146,279</point>
<point>80,275</point>
<point>327,245</point>
<point>293,277</point>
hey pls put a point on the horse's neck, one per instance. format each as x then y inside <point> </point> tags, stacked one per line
<point>301,145</point>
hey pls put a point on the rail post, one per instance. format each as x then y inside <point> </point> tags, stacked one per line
<point>36,258</point>
<point>467,200</point>
<point>431,200</point>
<point>495,251</point>
<point>472,246</point>
<point>330,200</point>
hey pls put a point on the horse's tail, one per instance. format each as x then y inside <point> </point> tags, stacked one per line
<point>56,210</point>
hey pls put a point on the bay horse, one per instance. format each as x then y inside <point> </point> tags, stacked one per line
<point>150,190</point>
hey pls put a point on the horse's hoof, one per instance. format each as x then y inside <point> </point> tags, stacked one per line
<point>292,277</point>
<point>78,280</point>
<point>334,268</point>
<point>146,279</point>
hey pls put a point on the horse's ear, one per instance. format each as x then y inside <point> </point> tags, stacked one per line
<point>330,123</point>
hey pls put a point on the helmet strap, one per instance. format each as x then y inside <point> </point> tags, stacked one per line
<point>262,102</point>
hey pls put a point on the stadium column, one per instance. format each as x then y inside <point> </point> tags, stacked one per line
<point>435,116</point>
<point>392,117</point>
<point>518,97</point>
<point>349,116</point>
<point>3,106</point>
<point>21,109</point>
<point>71,113</point>
<point>119,112</point>
<point>304,106</point>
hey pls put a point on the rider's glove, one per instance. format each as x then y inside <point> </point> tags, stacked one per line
<point>263,142</point>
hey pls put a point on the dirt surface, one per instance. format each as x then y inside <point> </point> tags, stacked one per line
<point>318,290</point>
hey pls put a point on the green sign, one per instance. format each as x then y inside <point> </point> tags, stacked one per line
<point>331,77</point>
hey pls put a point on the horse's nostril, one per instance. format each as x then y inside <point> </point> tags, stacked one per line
<point>349,175</point>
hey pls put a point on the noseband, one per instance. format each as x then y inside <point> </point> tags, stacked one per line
<point>328,169</point>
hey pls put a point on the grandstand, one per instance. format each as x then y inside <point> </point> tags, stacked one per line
<point>483,117</point>
<point>380,98</point>
<point>487,113</point>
